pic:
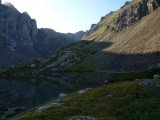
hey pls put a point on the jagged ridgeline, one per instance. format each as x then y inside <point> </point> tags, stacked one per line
<point>128,14</point>
<point>21,40</point>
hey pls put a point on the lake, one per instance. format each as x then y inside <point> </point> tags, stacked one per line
<point>18,95</point>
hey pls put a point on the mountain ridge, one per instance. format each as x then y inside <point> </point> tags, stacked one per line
<point>21,40</point>
<point>128,14</point>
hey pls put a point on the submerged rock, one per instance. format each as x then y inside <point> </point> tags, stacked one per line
<point>82,118</point>
<point>149,83</point>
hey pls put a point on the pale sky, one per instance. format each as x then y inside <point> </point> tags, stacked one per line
<point>66,15</point>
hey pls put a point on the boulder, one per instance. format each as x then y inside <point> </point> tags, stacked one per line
<point>109,96</point>
<point>33,65</point>
<point>85,90</point>
<point>106,82</point>
<point>149,83</point>
<point>47,106</point>
<point>156,76</point>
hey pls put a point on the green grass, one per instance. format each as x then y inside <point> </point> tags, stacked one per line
<point>117,77</point>
<point>82,66</point>
<point>10,115</point>
<point>25,69</point>
<point>147,107</point>
<point>94,103</point>
<point>124,99</point>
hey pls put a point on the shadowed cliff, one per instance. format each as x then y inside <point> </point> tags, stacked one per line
<point>21,40</point>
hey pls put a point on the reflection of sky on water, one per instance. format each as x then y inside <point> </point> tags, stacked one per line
<point>24,94</point>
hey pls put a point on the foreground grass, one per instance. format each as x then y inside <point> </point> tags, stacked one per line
<point>124,99</point>
<point>147,107</point>
<point>117,77</point>
<point>103,103</point>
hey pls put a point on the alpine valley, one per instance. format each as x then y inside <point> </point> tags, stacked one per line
<point>114,66</point>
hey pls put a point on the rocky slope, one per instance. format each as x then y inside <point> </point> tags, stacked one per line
<point>127,39</point>
<point>20,40</point>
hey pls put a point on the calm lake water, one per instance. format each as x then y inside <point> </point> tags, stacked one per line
<point>31,92</point>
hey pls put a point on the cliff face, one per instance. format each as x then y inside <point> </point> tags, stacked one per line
<point>20,40</point>
<point>127,39</point>
<point>16,28</point>
<point>130,13</point>
<point>18,33</point>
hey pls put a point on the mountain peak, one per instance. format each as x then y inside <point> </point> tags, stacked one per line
<point>9,5</point>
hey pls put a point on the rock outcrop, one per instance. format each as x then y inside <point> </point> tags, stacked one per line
<point>149,83</point>
<point>157,77</point>
<point>130,13</point>
<point>42,108</point>
<point>135,12</point>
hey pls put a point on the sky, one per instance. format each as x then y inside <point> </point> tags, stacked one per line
<point>67,15</point>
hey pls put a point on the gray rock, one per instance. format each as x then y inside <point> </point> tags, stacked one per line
<point>149,83</point>
<point>64,61</point>
<point>108,96</point>
<point>85,90</point>
<point>106,82</point>
<point>82,118</point>
<point>62,94</point>
<point>40,109</point>
<point>33,65</point>
<point>156,76</point>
